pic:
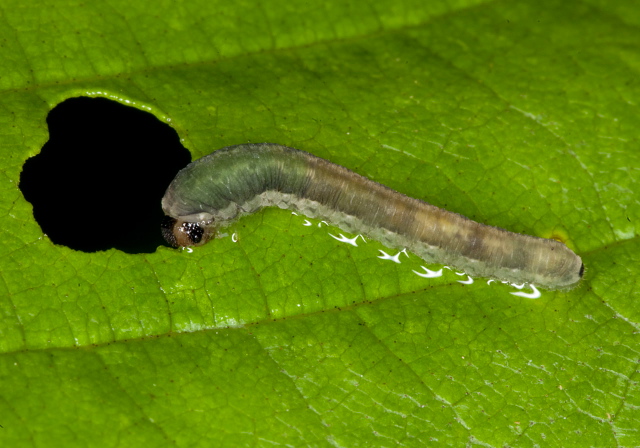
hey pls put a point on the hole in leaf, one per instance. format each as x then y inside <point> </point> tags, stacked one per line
<point>98,181</point>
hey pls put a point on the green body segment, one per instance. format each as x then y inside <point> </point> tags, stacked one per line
<point>239,180</point>
<point>234,175</point>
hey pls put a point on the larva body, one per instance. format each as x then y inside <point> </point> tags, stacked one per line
<point>215,190</point>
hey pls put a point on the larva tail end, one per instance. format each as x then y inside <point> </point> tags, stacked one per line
<point>179,233</point>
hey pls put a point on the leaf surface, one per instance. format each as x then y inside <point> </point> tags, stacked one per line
<point>522,115</point>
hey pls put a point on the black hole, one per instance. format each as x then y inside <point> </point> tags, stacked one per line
<point>98,181</point>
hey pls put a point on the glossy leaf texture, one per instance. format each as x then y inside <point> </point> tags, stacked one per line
<point>522,115</point>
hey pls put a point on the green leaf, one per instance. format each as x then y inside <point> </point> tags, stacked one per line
<point>522,115</point>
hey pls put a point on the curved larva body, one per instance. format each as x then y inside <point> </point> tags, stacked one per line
<point>215,190</point>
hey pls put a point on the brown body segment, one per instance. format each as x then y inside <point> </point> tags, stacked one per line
<point>318,188</point>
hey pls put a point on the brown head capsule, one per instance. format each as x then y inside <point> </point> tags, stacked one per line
<point>180,233</point>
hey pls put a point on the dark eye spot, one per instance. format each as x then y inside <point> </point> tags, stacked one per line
<point>194,231</point>
<point>581,273</point>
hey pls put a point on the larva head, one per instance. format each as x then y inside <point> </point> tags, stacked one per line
<point>181,233</point>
